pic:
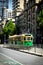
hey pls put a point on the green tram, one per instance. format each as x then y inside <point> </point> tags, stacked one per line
<point>22,40</point>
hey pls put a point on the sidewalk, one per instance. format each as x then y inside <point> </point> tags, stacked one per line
<point>31,50</point>
<point>34,51</point>
<point>1,45</point>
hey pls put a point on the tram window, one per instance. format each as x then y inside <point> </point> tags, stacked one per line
<point>31,38</point>
<point>19,38</point>
<point>12,41</point>
<point>24,38</point>
<point>28,38</point>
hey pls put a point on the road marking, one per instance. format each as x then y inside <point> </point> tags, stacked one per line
<point>10,58</point>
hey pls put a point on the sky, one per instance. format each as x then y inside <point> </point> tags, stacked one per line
<point>10,4</point>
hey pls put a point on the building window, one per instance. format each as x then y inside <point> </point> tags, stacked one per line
<point>29,25</point>
<point>29,18</point>
<point>31,2</point>
<point>33,16</point>
<point>26,1</point>
<point>33,9</point>
<point>28,12</point>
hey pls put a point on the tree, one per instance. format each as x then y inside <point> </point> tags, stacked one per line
<point>40,25</point>
<point>9,28</point>
<point>40,18</point>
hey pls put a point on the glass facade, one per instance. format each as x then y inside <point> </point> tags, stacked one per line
<point>3,3</point>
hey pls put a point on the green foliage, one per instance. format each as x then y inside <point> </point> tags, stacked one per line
<point>9,28</point>
<point>40,18</point>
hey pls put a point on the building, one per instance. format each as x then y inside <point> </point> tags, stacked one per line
<point>27,20</point>
<point>7,14</point>
<point>31,11</point>
<point>20,23</point>
<point>3,3</point>
<point>18,7</point>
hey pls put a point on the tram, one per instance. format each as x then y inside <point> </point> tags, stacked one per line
<point>22,40</point>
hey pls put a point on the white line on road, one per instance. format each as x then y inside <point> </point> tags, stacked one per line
<point>10,58</point>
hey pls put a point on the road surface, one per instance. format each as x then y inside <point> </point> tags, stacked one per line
<point>13,57</point>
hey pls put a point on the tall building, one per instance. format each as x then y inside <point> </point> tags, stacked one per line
<point>7,14</point>
<point>33,6</point>
<point>27,20</point>
<point>3,3</point>
<point>18,7</point>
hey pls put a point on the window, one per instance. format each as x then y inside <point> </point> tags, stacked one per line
<point>33,9</point>
<point>31,38</point>
<point>28,38</point>
<point>26,1</point>
<point>19,38</point>
<point>24,38</point>
<point>28,12</point>
<point>33,17</point>
<point>29,18</point>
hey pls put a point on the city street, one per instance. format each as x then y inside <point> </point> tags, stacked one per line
<point>21,32</point>
<point>13,57</point>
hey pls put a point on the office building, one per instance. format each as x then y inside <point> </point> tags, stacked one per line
<point>3,3</point>
<point>7,14</point>
<point>18,7</point>
<point>27,19</point>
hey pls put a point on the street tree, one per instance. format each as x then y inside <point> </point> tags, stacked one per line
<point>9,28</point>
<point>40,24</point>
<point>40,18</point>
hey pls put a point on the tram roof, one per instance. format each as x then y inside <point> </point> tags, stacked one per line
<point>30,35</point>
